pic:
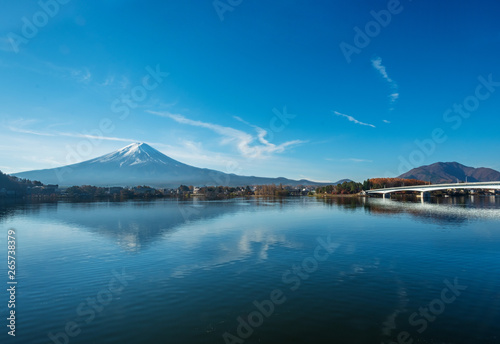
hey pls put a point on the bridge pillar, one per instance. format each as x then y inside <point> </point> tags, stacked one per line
<point>386,195</point>
<point>424,195</point>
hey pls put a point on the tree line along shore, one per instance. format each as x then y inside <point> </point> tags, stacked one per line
<point>13,187</point>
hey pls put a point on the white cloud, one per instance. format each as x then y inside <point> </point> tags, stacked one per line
<point>241,120</point>
<point>108,81</point>
<point>352,119</point>
<point>27,131</point>
<point>114,82</point>
<point>377,64</point>
<point>244,142</point>
<point>386,121</point>
<point>193,153</point>
<point>80,75</point>
<point>95,137</point>
<point>19,128</point>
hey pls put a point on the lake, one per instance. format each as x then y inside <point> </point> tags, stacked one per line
<point>294,270</point>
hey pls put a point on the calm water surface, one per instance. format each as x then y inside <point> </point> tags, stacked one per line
<point>298,270</point>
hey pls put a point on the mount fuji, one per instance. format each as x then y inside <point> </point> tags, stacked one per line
<point>141,164</point>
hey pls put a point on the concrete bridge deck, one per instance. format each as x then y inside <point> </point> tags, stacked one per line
<point>435,187</point>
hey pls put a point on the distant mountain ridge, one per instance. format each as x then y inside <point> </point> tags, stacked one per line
<point>141,164</point>
<point>443,172</point>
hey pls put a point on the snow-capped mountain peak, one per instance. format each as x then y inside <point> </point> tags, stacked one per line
<point>132,148</point>
<point>141,164</point>
<point>136,154</point>
<point>136,147</point>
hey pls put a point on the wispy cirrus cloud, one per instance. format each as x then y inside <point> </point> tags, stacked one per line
<point>28,131</point>
<point>96,137</point>
<point>352,119</point>
<point>114,81</point>
<point>108,81</point>
<point>20,126</point>
<point>249,145</point>
<point>80,75</point>
<point>377,64</point>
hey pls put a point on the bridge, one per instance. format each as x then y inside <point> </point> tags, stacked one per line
<point>425,189</point>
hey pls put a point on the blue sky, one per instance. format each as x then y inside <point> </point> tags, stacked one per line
<point>300,89</point>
